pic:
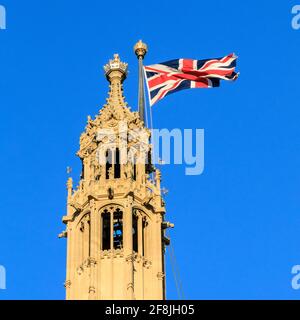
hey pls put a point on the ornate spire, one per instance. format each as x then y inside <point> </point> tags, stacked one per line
<point>116,72</point>
<point>116,192</point>
<point>116,68</point>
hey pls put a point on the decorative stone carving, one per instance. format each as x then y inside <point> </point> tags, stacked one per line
<point>160,275</point>
<point>67,284</point>
<point>116,64</point>
<point>92,261</point>
<point>147,264</point>
<point>96,195</point>
<point>110,193</point>
<point>92,289</point>
<point>118,253</point>
<point>80,270</point>
<point>130,258</point>
<point>105,254</point>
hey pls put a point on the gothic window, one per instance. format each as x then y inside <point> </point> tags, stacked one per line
<point>108,156</point>
<point>113,166</point>
<point>112,228</point>
<point>118,229</point>
<point>148,166</point>
<point>89,237</point>
<point>134,169</point>
<point>135,232</point>
<point>144,224</point>
<point>82,170</point>
<point>105,230</point>
<point>117,164</point>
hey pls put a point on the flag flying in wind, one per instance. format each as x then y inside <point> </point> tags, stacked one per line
<point>174,75</point>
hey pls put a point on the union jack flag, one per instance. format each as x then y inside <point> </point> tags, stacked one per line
<point>174,75</point>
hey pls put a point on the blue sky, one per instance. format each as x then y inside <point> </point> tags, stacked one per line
<point>237,228</point>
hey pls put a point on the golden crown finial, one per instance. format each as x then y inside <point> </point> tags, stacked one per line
<point>116,57</point>
<point>116,64</point>
<point>140,49</point>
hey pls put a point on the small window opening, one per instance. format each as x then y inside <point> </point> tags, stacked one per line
<point>143,235</point>
<point>105,230</point>
<point>148,165</point>
<point>89,244</point>
<point>82,170</point>
<point>108,162</point>
<point>135,233</point>
<point>118,229</point>
<point>117,165</point>
<point>134,171</point>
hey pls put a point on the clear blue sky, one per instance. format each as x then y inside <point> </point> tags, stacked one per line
<point>237,229</point>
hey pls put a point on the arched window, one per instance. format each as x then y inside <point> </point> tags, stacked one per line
<point>144,225</point>
<point>108,157</point>
<point>134,171</point>
<point>117,165</point>
<point>82,169</point>
<point>113,166</point>
<point>135,232</point>
<point>118,229</point>
<point>112,228</point>
<point>148,165</point>
<point>134,168</point>
<point>105,230</point>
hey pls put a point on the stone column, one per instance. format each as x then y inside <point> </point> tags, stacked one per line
<point>94,247</point>
<point>140,249</point>
<point>128,251</point>
<point>70,250</point>
<point>156,251</point>
<point>70,268</point>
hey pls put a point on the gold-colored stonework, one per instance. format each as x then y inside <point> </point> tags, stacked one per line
<point>115,216</point>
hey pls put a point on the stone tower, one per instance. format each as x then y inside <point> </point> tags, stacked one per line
<point>115,216</point>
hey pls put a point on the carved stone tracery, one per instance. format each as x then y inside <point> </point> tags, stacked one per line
<point>91,268</point>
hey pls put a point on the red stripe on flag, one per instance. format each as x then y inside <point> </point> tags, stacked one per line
<point>187,64</point>
<point>201,83</point>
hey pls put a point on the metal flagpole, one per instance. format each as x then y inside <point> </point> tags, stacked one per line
<point>140,50</point>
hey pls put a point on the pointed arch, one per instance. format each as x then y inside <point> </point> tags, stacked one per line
<point>83,231</point>
<point>111,225</point>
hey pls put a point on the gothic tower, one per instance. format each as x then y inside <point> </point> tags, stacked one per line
<point>115,216</point>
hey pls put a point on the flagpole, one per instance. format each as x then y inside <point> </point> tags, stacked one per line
<point>140,50</point>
